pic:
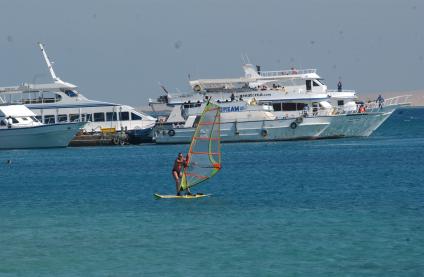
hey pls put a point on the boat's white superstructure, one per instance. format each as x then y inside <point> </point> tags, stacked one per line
<point>240,122</point>
<point>293,93</point>
<point>20,129</point>
<point>60,102</point>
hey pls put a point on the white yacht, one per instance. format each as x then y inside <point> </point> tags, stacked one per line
<point>60,102</point>
<point>293,93</point>
<point>20,129</point>
<point>240,122</point>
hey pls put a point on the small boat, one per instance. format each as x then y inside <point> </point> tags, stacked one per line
<point>19,128</point>
<point>204,156</point>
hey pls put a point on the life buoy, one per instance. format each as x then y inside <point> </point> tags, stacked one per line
<point>171,133</point>
<point>299,120</point>
<point>264,133</point>
<point>197,88</point>
<point>293,125</point>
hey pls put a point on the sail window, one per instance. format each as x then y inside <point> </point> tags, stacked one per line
<point>135,116</point>
<point>111,116</point>
<point>62,118</point>
<point>73,117</point>
<point>99,117</point>
<point>124,116</point>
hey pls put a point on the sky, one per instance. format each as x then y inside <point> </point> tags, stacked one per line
<point>119,51</point>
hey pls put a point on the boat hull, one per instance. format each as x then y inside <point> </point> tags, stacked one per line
<point>43,136</point>
<point>355,125</point>
<point>247,131</point>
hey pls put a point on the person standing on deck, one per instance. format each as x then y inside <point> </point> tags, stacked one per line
<point>339,86</point>
<point>380,101</point>
<point>177,172</point>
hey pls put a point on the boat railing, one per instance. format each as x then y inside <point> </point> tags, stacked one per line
<point>370,107</point>
<point>344,90</point>
<point>374,106</point>
<point>281,73</point>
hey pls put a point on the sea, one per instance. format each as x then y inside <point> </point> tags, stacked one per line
<point>337,207</point>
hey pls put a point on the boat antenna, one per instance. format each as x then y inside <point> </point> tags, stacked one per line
<point>163,88</point>
<point>242,58</point>
<point>50,66</point>
<point>247,58</point>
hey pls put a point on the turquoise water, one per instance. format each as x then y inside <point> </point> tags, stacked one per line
<point>346,207</point>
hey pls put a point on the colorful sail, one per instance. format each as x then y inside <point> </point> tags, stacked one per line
<point>204,156</point>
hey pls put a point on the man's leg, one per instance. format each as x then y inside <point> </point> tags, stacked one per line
<point>177,181</point>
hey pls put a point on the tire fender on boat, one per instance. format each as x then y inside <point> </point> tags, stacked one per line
<point>299,120</point>
<point>197,88</point>
<point>171,133</point>
<point>115,140</point>
<point>293,125</point>
<point>264,133</point>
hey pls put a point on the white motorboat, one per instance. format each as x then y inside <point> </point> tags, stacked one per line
<point>293,93</point>
<point>20,129</point>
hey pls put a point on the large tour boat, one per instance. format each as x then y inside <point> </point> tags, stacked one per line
<point>293,93</point>
<point>60,102</point>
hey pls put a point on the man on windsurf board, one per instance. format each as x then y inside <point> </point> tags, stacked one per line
<point>177,172</point>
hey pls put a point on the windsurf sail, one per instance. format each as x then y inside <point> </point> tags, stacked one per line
<point>204,156</point>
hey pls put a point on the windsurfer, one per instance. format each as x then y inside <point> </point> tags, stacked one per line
<point>177,173</point>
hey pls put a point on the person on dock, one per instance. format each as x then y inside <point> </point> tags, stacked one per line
<point>177,172</point>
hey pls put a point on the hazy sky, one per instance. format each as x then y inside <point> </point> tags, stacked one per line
<point>119,50</point>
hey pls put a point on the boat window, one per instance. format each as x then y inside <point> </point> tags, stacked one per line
<point>25,118</point>
<point>99,117</point>
<point>135,116</point>
<point>86,117</point>
<point>340,102</point>
<point>308,85</point>
<point>73,117</point>
<point>49,119</point>
<point>124,116</point>
<point>111,116</point>
<point>277,107</point>
<point>71,93</point>
<point>289,106</point>
<point>320,81</point>
<point>2,123</point>
<point>62,118</point>
<point>316,84</point>
<point>37,118</point>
